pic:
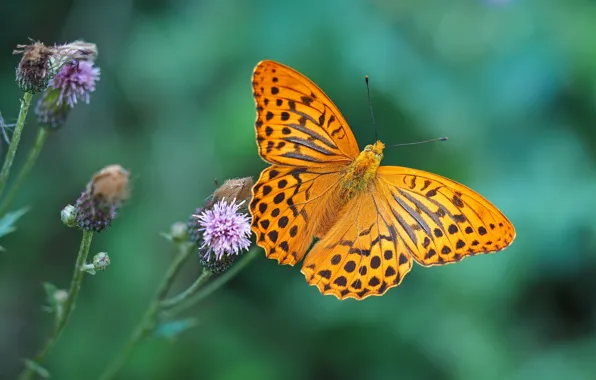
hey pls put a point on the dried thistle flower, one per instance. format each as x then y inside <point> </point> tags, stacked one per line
<point>75,51</point>
<point>237,188</point>
<point>98,204</point>
<point>35,68</point>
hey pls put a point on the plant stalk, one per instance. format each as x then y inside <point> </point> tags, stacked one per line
<point>16,138</point>
<point>149,320</point>
<point>69,305</point>
<point>40,140</point>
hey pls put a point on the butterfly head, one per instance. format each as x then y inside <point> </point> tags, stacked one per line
<point>376,149</point>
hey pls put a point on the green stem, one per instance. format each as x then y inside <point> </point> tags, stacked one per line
<point>191,290</point>
<point>147,323</point>
<point>218,282</point>
<point>69,305</point>
<point>16,137</point>
<point>40,140</point>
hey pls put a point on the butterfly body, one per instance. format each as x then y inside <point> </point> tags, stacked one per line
<point>359,174</point>
<point>372,221</point>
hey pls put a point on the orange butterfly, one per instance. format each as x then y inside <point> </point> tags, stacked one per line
<point>372,221</point>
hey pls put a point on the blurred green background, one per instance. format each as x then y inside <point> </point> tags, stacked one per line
<point>513,85</point>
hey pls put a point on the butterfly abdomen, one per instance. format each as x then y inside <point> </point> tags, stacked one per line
<point>364,169</point>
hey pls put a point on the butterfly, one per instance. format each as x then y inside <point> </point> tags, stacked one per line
<point>372,222</point>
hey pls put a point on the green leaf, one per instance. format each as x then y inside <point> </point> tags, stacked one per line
<point>51,290</point>
<point>172,329</point>
<point>7,222</point>
<point>42,372</point>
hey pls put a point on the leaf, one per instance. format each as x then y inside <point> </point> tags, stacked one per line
<point>55,299</point>
<point>51,290</point>
<point>42,372</point>
<point>172,329</point>
<point>7,222</point>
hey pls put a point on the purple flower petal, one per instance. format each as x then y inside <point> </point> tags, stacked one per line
<point>75,81</point>
<point>225,230</point>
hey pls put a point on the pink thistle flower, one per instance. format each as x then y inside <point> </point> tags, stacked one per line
<point>75,81</point>
<point>225,229</point>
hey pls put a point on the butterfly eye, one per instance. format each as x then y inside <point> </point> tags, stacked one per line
<point>368,148</point>
<point>379,156</point>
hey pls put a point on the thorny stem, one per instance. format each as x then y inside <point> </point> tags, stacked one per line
<point>16,137</point>
<point>69,305</point>
<point>147,324</point>
<point>40,140</point>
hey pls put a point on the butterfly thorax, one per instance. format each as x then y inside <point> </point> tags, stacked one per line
<point>364,168</point>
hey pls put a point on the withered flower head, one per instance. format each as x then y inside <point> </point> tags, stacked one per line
<point>75,51</point>
<point>103,196</point>
<point>238,189</point>
<point>35,68</point>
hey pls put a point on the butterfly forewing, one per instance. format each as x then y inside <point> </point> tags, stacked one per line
<point>440,220</point>
<point>297,124</point>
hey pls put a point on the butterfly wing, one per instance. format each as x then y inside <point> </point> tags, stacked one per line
<point>297,124</point>
<point>362,254</point>
<point>301,132</point>
<point>404,214</point>
<point>439,220</point>
<point>290,206</point>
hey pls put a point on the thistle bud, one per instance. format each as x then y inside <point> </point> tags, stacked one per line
<point>178,232</point>
<point>60,296</point>
<point>69,216</point>
<point>101,261</point>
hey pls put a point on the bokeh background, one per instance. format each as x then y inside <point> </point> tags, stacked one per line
<point>513,85</point>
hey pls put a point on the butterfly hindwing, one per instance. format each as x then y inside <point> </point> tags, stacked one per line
<point>297,124</point>
<point>440,220</point>
<point>361,255</point>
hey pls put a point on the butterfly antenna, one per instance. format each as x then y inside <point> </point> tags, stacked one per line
<point>372,116</point>
<point>419,142</point>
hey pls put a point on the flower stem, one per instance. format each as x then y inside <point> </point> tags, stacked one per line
<point>191,290</point>
<point>203,292</point>
<point>69,305</point>
<point>40,140</point>
<point>16,137</point>
<point>149,320</point>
